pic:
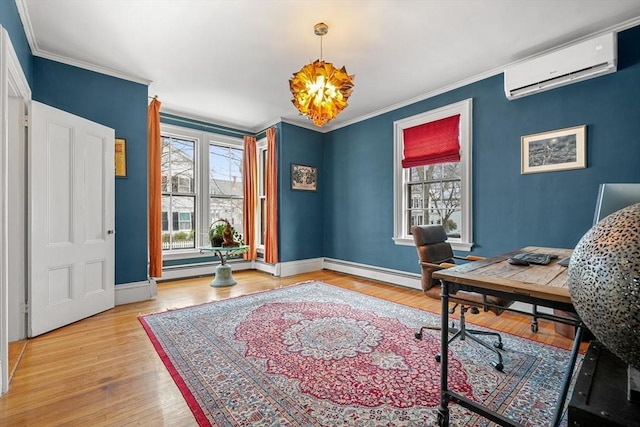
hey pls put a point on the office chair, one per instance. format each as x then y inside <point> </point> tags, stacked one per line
<point>435,253</point>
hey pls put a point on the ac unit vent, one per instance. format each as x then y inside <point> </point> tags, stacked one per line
<point>582,61</point>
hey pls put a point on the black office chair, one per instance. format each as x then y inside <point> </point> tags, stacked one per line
<point>435,253</point>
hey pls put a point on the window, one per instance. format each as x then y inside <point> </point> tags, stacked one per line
<point>178,196</point>
<point>439,193</point>
<point>201,183</point>
<point>225,184</point>
<point>261,216</point>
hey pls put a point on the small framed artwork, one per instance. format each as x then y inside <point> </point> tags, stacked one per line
<point>554,150</point>
<point>120,158</point>
<point>304,178</point>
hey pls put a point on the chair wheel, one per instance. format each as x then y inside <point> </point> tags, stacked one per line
<point>498,345</point>
<point>534,328</point>
<point>418,335</point>
<point>438,358</point>
<point>498,366</point>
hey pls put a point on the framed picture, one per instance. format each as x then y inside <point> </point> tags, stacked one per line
<point>120,158</point>
<point>304,178</point>
<point>555,150</point>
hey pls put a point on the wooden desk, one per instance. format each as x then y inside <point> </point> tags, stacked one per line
<point>541,285</point>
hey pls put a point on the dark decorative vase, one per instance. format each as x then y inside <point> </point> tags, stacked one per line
<point>604,282</point>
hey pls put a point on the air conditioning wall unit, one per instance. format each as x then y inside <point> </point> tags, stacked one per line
<point>585,60</point>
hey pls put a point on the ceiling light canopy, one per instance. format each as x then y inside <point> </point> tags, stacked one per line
<point>320,91</point>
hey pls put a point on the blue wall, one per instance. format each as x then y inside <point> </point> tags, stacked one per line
<point>350,217</point>
<point>10,20</point>
<point>510,210</point>
<point>300,212</point>
<point>121,105</point>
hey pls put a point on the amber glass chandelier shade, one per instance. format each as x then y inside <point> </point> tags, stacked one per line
<point>320,91</point>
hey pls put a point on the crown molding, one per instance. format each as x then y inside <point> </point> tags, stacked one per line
<point>36,51</point>
<point>23,12</point>
<point>93,67</point>
<point>498,70</point>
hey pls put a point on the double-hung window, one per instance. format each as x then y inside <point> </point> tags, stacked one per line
<point>434,188</point>
<point>201,183</point>
<point>225,184</point>
<point>178,192</point>
<point>261,215</point>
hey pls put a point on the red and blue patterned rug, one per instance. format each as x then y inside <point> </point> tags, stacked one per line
<point>318,355</point>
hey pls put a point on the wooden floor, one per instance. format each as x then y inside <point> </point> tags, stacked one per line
<point>103,371</point>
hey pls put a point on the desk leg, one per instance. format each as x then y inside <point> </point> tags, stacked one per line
<point>567,377</point>
<point>443,411</point>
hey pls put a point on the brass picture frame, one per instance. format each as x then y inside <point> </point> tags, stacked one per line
<point>120,157</point>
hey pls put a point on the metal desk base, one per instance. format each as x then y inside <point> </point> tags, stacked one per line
<point>447,396</point>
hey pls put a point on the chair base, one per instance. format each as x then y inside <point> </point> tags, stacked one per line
<point>418,335</point>
<point>464,333</point>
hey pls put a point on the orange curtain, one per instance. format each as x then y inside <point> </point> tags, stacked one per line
<point>271,239</point>
<point>155,193</point>
<point>250,192</point>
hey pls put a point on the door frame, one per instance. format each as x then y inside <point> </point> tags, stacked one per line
<point>13,83</point>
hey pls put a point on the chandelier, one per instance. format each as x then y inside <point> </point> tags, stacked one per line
<point>320,91</point>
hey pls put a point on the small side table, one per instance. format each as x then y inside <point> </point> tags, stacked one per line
<point>223,276</point>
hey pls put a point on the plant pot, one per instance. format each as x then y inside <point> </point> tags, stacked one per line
<point>216,241</point>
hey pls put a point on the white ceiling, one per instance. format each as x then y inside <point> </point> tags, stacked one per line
<point>230,61</point>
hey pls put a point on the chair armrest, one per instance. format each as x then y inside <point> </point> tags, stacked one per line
<point>432,265</point>
<point>440,266</point>
<point>470,257</point>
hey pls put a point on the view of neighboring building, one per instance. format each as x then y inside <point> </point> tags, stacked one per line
<point>180,193</point>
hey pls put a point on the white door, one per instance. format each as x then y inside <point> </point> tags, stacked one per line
<point>71,208</point>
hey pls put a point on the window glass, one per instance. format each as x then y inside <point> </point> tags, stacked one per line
<point>439,193</point>
<point>262,177</point>
<point>201,183</point>
<point>178,198</point>
<point>225,185</point>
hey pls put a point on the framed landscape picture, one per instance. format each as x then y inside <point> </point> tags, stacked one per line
<point>555,150</point>
<point>304,178</point>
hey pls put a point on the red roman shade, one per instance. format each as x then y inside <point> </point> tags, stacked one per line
<point>431,143</point>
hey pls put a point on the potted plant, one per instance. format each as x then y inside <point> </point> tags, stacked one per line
<point>222,234</point>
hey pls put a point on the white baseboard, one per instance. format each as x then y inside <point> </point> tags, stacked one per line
<point>381,274</point>
<point>273,269</point>
<point>528,308</point>
<point>284,269</point>
<point>201,269</point>
<point>302,266</point>
<point>136,291</point>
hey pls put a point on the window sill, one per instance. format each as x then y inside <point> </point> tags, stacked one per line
<point>185,254</point>
<point>455,245</point>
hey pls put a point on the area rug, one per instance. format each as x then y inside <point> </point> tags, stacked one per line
<point>314,354</point>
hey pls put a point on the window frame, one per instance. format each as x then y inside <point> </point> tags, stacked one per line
<point>177,193</point>
<point>201,182</point>
<point>401,235</point>
<point>261,157</point>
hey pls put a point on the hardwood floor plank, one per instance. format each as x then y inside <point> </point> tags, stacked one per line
<point>103,371</point>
